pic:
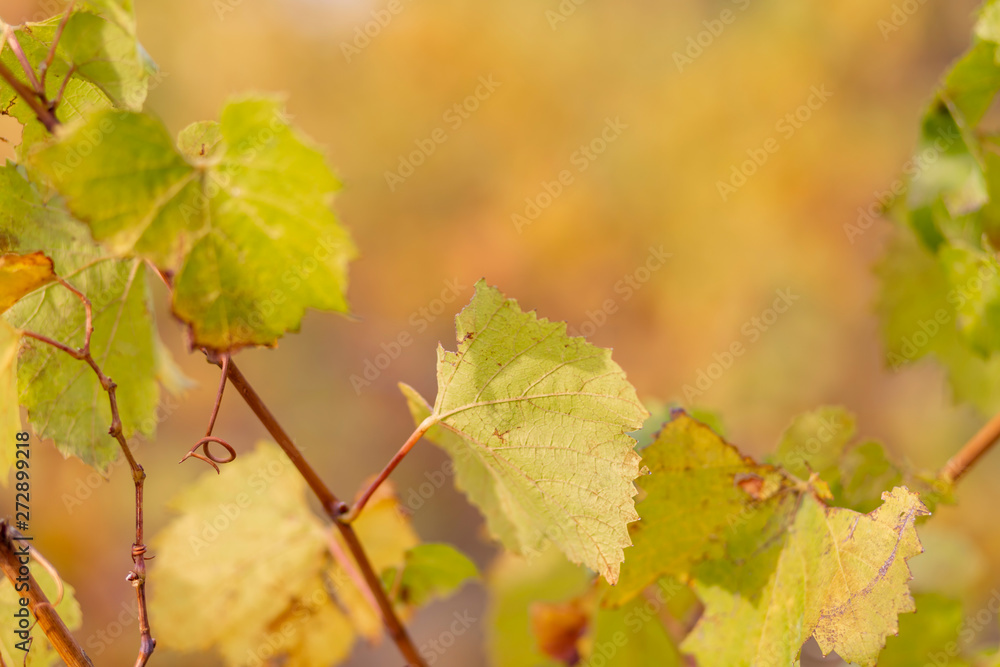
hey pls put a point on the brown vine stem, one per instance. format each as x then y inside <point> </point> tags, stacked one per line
<point>137,576</point>
<point>33,96</point>
<point>12,559</point>
<point>353,513</point>
<point>333,507</point>
<point>978,445</point>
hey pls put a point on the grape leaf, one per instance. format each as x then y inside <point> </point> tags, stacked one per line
<point>917,308</point>
<point>245,545</point>
<point>430,571</point>
<point>243,222</point>
<point>833,574</point>
<point>64,399</point>
<point>41,653</point>
<point>698,488</point>
<point>99,53</point>
<point>10,417</point>
<point>815,442</point>
<point>249,549</point>
<point>21,275</point>
<point>536,422</point>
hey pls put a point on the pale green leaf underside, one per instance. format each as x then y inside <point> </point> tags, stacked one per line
<point>242,220</point>
<point>537,422</point>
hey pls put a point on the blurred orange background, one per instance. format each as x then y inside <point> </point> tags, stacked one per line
<point>557,79</point>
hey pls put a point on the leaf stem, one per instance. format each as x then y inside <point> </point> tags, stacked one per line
<point>51,623</point>
<point>333,507</point>
<point>395,461</point>
<point>967,456</point>
<point>15,46</point>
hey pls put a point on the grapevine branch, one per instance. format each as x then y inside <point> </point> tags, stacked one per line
<point>967,456</point>
<point>137,576</point>
<point>44,612</point>
<point>33,93</point>
<point>332,506</point>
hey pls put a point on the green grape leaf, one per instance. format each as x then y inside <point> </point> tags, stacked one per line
<point>41,654</point>
<point>926,636</point>
<point>973,82</point>
<point>64,399</point>
<point>430,571</point>
<point>814,442</point>
<point>240,215</point>
<point>246,544</point>
<point>99,53</point>
<point>865,472</point>
<point>10,416</point>
<point>536,422</point>
<point>631,635</point>
<point>917,306</point>
<point>698,489</point>
<point>21,275</point>
<point>978,306</point>
<point>832,574</point>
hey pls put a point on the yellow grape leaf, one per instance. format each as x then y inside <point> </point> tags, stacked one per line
<point>248,549</point>
<point>21,275</point>
<point>536,422</point>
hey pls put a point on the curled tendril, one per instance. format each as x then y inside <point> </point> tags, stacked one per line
<point>207,456</point>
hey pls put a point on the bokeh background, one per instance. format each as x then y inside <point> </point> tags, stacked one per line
<point>561,75</point>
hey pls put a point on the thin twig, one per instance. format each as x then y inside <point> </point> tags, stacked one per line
<point>44,612</point>
<point>978,445</point>
<point>43,69</point>
<point>137,576</point>
<point>334,508</point>
<point>382,476</point>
